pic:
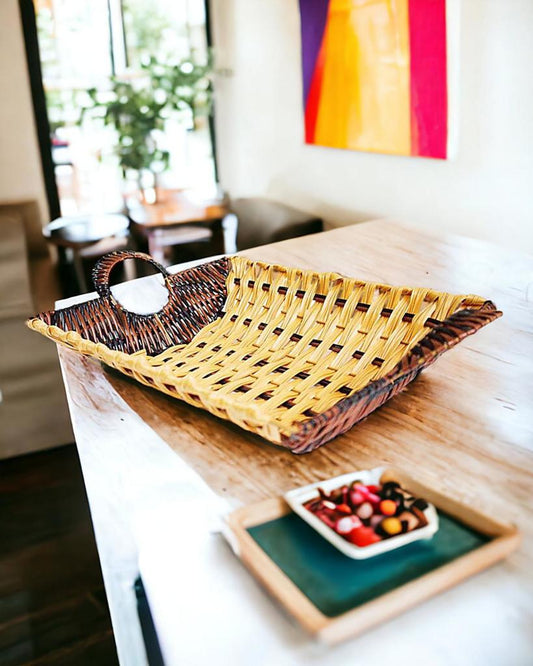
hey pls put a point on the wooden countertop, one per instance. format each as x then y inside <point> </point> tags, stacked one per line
<point>465,425</point>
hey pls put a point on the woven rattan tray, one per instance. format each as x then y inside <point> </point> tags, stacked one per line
<point>295,356</point>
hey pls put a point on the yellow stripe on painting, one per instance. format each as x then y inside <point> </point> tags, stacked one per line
<point>365,95</point>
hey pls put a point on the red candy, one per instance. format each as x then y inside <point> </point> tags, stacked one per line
<point>363,536</point>
<point>326,519</point>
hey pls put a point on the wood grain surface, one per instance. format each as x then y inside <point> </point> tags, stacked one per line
<point>53,608</point>
<point>465,426</point>
<point>174,207</point>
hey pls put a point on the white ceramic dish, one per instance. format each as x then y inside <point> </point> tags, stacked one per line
<point>297,497</point>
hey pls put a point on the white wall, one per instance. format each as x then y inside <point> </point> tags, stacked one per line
<point>20,166</point>
<point>486,191</point>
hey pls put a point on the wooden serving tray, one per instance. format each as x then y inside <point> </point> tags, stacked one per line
<point>334,597</point>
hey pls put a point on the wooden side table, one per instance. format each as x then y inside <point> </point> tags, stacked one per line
<point>176,219</point>
<point>72,234</point>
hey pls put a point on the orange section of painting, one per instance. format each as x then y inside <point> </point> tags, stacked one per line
<point>365,92</point>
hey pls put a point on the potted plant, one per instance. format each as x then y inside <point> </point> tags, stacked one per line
<point>138,108</point>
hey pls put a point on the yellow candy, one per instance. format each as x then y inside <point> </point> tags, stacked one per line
<point>391,526</point>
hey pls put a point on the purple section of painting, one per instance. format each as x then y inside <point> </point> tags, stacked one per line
<point>313,16</point>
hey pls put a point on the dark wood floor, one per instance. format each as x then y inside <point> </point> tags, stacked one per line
<point>53,609</point>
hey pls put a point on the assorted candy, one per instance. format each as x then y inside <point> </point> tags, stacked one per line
<point>365,514</point>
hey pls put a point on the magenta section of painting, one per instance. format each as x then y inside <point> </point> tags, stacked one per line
<point>429,91</point>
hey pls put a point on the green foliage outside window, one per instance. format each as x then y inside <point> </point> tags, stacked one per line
<point>144,26</point>
<point>138,108</point>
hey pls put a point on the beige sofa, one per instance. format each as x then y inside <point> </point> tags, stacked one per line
<point>33,410</point>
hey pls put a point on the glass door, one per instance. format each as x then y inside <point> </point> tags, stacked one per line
<point>91,50</point>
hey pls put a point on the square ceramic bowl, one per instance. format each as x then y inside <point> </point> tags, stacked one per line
<point>299,496</point>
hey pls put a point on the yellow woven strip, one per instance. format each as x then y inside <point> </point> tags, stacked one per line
<point>290,344</point>
<point>141,367</point>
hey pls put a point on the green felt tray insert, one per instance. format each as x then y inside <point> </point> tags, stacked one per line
<point>335,583</point>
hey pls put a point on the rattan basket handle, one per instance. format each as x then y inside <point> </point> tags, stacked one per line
<point>104,266</point>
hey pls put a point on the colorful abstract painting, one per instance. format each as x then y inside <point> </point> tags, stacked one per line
<point>374,75</point>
